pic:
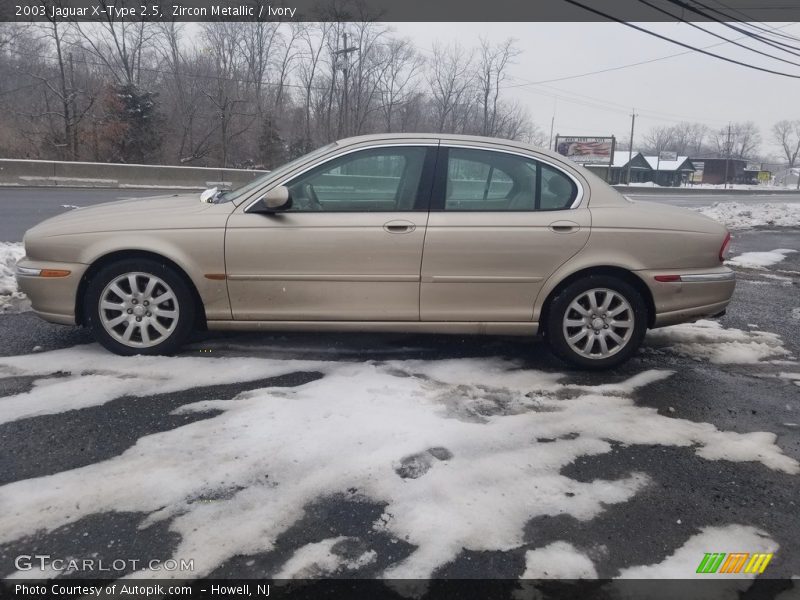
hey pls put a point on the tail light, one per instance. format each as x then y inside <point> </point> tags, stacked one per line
<point>723,251</point>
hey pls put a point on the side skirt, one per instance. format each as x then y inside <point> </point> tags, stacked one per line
<point>488,328</point>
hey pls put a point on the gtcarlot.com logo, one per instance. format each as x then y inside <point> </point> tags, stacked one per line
<point>734,562</point>
<point>45,562</point>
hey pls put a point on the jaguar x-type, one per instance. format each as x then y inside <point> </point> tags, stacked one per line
<point>402,233</point>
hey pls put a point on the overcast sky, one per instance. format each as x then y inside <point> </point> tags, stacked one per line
<point>690,87</point>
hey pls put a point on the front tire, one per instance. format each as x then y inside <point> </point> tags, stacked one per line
<point>596,322</point>
<point>139,306</point>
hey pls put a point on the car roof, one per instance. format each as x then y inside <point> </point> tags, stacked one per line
<point>452,137</point>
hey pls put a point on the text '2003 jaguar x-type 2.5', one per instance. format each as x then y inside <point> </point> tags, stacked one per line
<point>402,233</point>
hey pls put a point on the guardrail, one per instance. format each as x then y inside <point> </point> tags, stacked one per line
<point>687,191</point>
<point>51,173</point>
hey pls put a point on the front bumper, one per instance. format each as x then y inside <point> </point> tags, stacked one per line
<point>691,294</point>
<point>52,293</point>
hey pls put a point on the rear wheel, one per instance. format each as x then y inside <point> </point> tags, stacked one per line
<point>139,306</point>
<point>596,322</point>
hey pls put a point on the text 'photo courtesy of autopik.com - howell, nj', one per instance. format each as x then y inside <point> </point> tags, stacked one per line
<point>344,299</point>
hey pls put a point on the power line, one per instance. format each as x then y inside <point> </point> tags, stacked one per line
<point>628,65</point>
<point>679,43</point>
<point>750,34</point>
<point>718,36</point>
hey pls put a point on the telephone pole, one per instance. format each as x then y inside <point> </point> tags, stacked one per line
<point>727,155</point>
<point>630,147</point>
<point>345,68</point>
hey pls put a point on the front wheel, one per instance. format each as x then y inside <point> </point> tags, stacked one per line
<point>597,322</point>
<point>139,306</point>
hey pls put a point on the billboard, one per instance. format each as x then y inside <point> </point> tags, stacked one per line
<point>666,155</point>
<point>586,150</point>
<point>699,167</point>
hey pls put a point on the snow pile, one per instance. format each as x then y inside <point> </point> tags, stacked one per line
<point>87,384</point>
<point>462,452</point>
<point>759,260</point>
<point>559,560</point>
<point>11,299</point>
<point>711,341</point>
<point>740,215</point>
<point>324,558</point>
<point>683,563</point>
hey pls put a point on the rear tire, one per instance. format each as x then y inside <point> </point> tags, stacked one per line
<point>139,306</point>
<point>596,322</point>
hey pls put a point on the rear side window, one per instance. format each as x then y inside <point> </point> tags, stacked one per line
<point>484,180</point>
<point>558,190</point>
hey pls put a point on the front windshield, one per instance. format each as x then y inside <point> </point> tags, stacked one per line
<point>244,190</point>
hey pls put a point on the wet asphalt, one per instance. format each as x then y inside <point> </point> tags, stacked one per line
<point>688,492</point>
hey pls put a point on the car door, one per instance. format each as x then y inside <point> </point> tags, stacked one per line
<point>500,224</point>
<point>348,248</point>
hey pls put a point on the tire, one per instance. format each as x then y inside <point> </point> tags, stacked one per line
<point>156,319</point>
<point>596,340</point>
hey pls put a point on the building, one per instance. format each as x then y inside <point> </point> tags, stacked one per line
<point>717,171</point>
<point>670,173</point>
<point>617,173</point>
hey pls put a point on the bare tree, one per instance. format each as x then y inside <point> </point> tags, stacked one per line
<point>451,80</point>
<point>740,140</point>
<point>787,134</point>
<point>239,94</point>
<point>658,139</point>
<point>397,80</point>
<point>120,45</point>
<point>183,86</point>
<point>228,94</point>
<point>493,62</point>
<point>687,138</point>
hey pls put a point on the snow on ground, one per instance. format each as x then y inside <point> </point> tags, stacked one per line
<point>559,560</point>
<point>11,299</point>
<point>323,559</point>
<point>743,215</point>
<point>683,563</point>
<point>794,377</point>
<point>709,340</point>
<point>685,560</point>
<point>759,260</point>
<point>709,186</point>
<point>463,452</point>
<point>86,384</point>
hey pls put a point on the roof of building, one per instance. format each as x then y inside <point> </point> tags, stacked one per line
<point>665,165</point>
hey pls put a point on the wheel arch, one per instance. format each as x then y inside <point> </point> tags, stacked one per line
<point>619,272</point>
<point>118,255</point>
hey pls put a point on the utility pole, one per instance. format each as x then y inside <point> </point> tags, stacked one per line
<point>345,54</point>
<point>552,124</point>
<point>630,149</point>
<point>727,154</point>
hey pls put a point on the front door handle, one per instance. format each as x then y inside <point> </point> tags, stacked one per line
<point>564,226</point>
<point>399,226</point>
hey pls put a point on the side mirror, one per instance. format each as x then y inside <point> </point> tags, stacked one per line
<point>275,200</point>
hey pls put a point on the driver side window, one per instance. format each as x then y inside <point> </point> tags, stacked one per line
<point>373,180</point>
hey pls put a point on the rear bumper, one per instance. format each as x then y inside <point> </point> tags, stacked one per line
<point>695,294</point>
<point>52,298</point>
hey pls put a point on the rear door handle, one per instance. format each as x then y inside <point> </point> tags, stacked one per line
<point>399,226</point>
<point>564,226</point>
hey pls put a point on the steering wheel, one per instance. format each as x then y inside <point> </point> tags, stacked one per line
<point>311,194</point>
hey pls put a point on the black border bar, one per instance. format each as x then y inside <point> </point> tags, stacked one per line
<point>400,10</point>
<point>371,589</point>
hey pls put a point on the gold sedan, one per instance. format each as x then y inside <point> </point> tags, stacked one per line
<point>402,233</point>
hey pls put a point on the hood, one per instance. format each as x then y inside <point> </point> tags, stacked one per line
<point>174,211</point>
